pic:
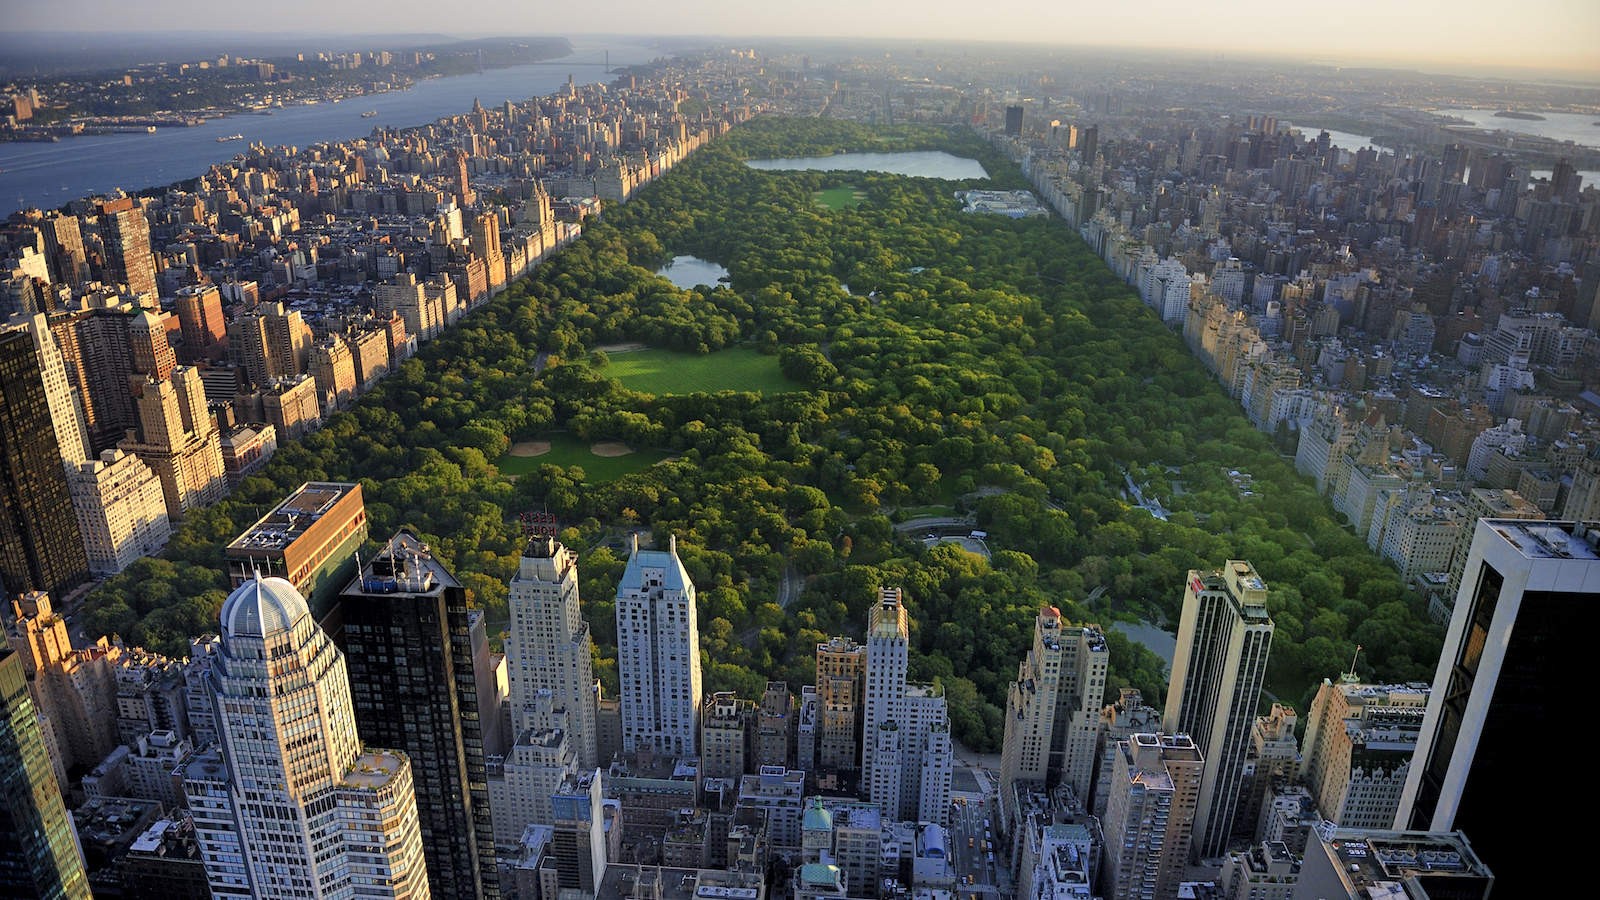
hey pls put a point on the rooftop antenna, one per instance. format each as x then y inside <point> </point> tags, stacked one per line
<point>1351,675</point>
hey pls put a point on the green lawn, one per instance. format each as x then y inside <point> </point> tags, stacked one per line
<point>667,372</point>
<point>846,197</point>
<point>571,450</point>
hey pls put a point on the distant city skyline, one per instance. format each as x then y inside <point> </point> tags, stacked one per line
<point>1547,36</point>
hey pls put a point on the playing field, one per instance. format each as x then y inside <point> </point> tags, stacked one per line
<point>666,372</point>
<point>839,198</point>
<point>611,463</point>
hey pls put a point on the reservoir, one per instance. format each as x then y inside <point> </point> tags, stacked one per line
<point>48,175</point>
<point>688,271</point>
<point>917,163</point>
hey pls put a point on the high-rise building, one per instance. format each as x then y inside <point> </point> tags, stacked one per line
<point>841,676</point>
<point>126,233</point>
<point>888,658</point>
<point>725,736</point>
<point>1150,815</point>
<point>66,412</point>
<point>63,241</point>
<point>1224,634</point>
<point>1359,744</point>
<point>658,653</point>
<point>38,853</point>
<point>1120,721</point>
<point>151,348</point>
<point>310,539</point>
<point>1053,708</point>
<point>906,754</point>
<point>204,328</point>
<point>1013,121</point>
<point>74,691</point>
<point>773,743</point>
<point>1273,758</point>
<point>334,371</point>
<point>1515,663</point>
<point>180,440</point>
<point>405,628</point>
<point>549,649</point>
<point>121,511</point>
<point>289,805</point>
<point>40,547</point>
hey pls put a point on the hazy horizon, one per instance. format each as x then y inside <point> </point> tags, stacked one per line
<point>1540,38</point>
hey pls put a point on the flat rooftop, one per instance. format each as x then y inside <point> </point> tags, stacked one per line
<point>374,769</point>
<point>297,513</point>
<point>1549,540</point>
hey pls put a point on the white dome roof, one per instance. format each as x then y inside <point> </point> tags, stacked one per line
<point>262,607</point>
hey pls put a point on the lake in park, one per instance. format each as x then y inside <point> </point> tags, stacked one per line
<point>689,271</point>
<point>918,163</point>
<point>1160,642</point>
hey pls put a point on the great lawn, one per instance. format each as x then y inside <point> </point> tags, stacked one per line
<point>838,198</point>
<point>668,372</point>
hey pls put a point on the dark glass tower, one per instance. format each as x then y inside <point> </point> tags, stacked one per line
<point>403,624</point>
<point>40,547</point>
<point>38,856</point>
<point>1515,670</point>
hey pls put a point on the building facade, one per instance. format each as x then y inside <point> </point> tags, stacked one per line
<point>549,649</point>
<point>289,804</point>
<point>658,653</point>
<point>1224,635</point>
<point>405,629</point>
<point>1514,664</point>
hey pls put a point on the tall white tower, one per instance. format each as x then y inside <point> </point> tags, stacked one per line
<point>906,753</point>
<point>888,658</point>
<point>1224,634</point>
<point>549,648</point>
<point>289,805</point>
<point>658,653</point>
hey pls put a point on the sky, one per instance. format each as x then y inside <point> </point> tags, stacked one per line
<point>1542,35</point>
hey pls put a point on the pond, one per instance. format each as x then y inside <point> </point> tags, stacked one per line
<point>689,271</point>
<point>920,163</point>
<point>1160,642</point>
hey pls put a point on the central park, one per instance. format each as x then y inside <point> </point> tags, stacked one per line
<point>875,354</point>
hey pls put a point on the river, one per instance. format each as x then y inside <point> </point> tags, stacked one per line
<point>1580,128</point>
<point>52,174</point>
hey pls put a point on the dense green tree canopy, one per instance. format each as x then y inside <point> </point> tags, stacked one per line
<point>976,362</point>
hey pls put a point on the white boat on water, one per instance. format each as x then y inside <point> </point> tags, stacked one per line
<point>223,139</point>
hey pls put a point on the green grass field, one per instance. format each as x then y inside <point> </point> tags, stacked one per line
<point>666,372</point>
<point>839,198</point>
<point>571,450</point>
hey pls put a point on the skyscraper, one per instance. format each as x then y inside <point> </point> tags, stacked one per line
<point>1515,664</point>
<point>205,330</point>
<point>658,653</point>
<point>180,441</point>
<point>1224,634</point>
<point>1053,708</point>
<point>841,673</point>
<point>65,413</point>
<point>906,753</point>
<point>404,625</point>
<point>38,854</point>
<point>1150,815</point>
<point>40,547</point>
<point>126,232</point>
<point>289,805</point>
<point>549,648</point>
